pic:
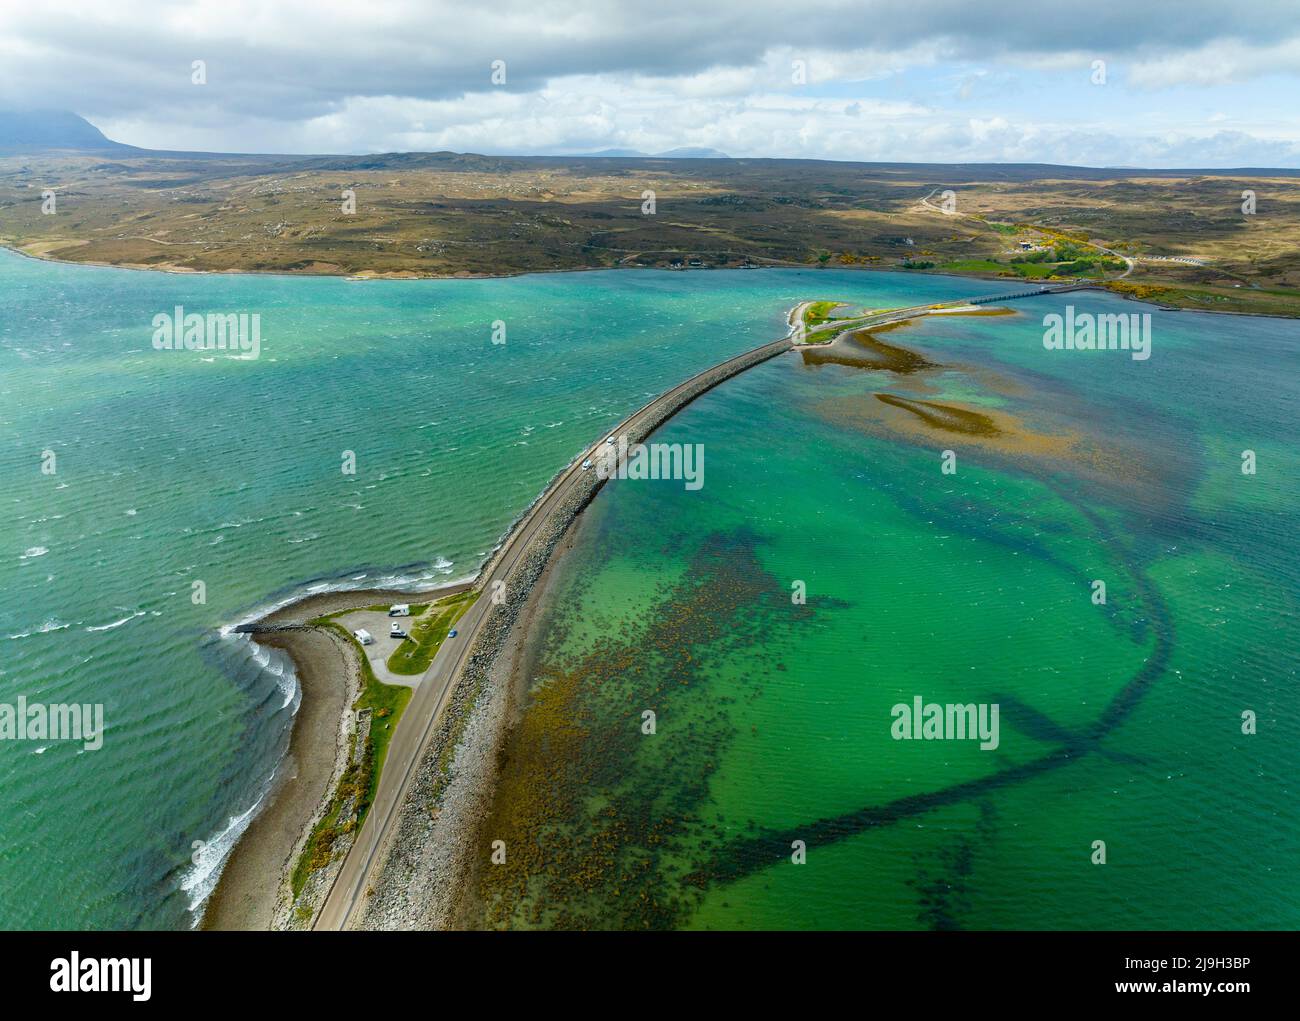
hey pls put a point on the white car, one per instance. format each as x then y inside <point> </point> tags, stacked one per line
<point>397,632</point>
<point>609,440</point>
<point>586,465</point>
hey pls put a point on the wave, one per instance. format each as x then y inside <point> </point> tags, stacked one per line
<point>34,552</point>
<point>53,624</point>
<point>437,571</point>
<point>117,623</point>
<point>210,857</point>
<point>201,878</point>
<point>265,660</point>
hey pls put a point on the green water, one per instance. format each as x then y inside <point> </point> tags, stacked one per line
<point>176,467</point>
<point>1120,723</point>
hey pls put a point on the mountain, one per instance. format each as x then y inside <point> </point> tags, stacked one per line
<point>692,153</point>
<point>625,153</point>
<point>685,153</point>
<point>32,131</point>
<point>467,162</point>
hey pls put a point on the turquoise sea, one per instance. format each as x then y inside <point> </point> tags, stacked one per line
<point>176,467</point>
<point>1122,726</point>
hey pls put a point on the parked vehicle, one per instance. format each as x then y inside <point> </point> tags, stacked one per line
<point>363,636</point>
<point>399,610</point>
<point>396,632</point>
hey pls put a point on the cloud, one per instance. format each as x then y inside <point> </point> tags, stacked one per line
<point>328,75</point>
<point>1217,63</point>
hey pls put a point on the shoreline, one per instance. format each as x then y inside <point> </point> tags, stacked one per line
<point>522,654</point>
<point>511,681</point>
<point>411,275</point>
<point>369,276</point>
<point>416,872</point>
<point>251,892</point>
<point>252,889</point>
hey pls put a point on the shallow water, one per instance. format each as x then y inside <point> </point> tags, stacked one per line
<point>176,467</point>
<point>1120,723</point>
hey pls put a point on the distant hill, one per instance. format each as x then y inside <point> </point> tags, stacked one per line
<point>693,153</point>
<point>620,153</point>
<point>467,162</point>
<point>686,153</point>
<point>29,131</point>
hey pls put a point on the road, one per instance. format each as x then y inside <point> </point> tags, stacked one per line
<point>1129,263</point>
<point>894,315</point>
<point>419,722</point>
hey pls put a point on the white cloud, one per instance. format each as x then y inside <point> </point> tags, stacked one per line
<point>964,81</point>
<point>1217,63</point>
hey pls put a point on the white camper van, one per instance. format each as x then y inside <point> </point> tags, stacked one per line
<point>363,636</point>
<point>399,610</point>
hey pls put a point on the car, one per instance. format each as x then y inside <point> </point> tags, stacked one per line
<point>586,465</point>
<point>451,633</point>
<point>397,632</point>
<point>609,440</point>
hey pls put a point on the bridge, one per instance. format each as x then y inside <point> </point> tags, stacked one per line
<point>1012,296</point>
<point>894,315</point>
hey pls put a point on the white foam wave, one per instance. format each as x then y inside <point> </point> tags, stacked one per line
<point>210,858</point>
<point>53,624</point>
<point>436,572</point>
<point>117,623</point>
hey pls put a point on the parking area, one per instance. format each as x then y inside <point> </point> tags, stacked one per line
<point>378,623</point>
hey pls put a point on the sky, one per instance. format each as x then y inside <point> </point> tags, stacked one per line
<point>1149,83</point>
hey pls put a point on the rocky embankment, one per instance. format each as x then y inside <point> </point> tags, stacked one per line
<point>423,877</point>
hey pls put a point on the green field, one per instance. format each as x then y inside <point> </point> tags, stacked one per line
<point>428,633</point>
<point>974,266</point>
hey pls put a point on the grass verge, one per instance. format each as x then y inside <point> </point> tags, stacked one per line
<point>356,787</point>
<point>428,632</point>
